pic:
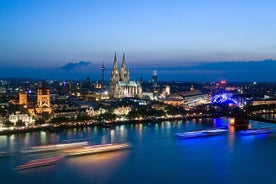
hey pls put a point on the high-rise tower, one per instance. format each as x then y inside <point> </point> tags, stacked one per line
<point>154,83</point>
<point>102,69</point>
<point>154,78</point>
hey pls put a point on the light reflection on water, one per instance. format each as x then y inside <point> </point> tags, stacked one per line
<point>109,160</point>
<point>103,167</point>
<point>3,141</point>
<point>156,156</point>
<point>43,137</point>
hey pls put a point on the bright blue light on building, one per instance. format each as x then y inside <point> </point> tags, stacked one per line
<point>224,98</point>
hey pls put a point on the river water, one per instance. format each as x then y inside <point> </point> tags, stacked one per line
<point>156,155</point>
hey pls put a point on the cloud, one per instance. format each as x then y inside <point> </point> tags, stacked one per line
<point>70,66</point>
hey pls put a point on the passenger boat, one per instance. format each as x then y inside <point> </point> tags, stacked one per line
<point>255,131</point>
<point>54,147</point>
<point>201,133</point>
<point>2,153</point>
<point>95,149</point>
<point>38,163</point>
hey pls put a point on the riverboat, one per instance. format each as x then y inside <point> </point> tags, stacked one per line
<point>96,149</point>
<point>201,133</point>
<point>3,154</point>
<point>54,147</point>
<point>256,131</point>
<point>38,163</point>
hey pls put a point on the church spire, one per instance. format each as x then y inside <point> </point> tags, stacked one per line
<point>124,61</point>
<point>124,71</point>
<point>115,63</point>
<point>115,76</point>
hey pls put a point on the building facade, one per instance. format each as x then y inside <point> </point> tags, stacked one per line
<point>262,102</point>
<point>43,100</point>
<point>25,118</point>
<point>187,99</point>
<point>23,98</point>
<point>120,84</point>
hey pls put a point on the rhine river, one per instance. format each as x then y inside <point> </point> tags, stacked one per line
<point>156,155</point>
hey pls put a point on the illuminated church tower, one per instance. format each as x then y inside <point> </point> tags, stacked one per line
<point>23,98</point>
<point>43,100</point>
<point>120,84</point>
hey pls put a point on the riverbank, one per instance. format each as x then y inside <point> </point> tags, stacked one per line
<point>62,126</point>
<point>154,150</point>
<point>255,118</point>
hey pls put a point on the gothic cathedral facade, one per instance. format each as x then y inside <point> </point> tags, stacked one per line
<point>120,84</point>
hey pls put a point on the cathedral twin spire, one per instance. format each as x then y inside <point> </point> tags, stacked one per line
<point>124,61</point>
<point>120,84</point>
<point>115,63</point>
<point>123,75</point>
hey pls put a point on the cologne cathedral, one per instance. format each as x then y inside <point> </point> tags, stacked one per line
<point>120,84</point>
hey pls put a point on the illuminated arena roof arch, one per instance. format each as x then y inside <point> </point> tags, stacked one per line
<point>224,98</point>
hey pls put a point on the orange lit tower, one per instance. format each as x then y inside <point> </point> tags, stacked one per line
<point>43,100</point>
<point>23,98</point>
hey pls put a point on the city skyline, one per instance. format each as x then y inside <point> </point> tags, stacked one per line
<point>39,36</point>
<point>246,71</point>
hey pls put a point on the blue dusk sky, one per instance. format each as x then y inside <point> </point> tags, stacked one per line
<point>42,35</point>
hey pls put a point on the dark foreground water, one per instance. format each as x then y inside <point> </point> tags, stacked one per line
<point>156,156</point>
